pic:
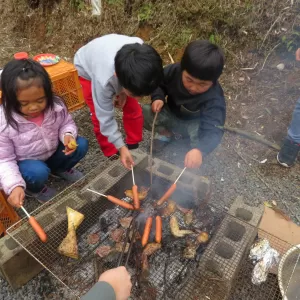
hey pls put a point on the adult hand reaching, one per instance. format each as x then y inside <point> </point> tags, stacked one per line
<point>119,279</point>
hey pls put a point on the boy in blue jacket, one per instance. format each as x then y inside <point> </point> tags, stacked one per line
<point>190,102</point>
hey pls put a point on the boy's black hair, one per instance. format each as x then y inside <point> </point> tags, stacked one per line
<point>27,71</point>
<point>139,68</point>
<point>203,60</point>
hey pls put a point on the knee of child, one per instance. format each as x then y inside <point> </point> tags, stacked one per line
<point>83,145</point>
<point>146,109</point>
<point>35,171</point>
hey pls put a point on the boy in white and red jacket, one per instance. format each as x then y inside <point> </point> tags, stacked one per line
<point>122,66</point>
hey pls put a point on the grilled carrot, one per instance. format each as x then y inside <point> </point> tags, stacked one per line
<point>136,200</point>
<point>167,194</point>
<point>38,229</point>
<point>120,202</point>
<point>147,231</point>
<point>158,232</point>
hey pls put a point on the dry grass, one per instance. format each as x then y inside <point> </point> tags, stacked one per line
<point>238,26</point>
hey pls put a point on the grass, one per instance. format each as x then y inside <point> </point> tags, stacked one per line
<point>233,24</point>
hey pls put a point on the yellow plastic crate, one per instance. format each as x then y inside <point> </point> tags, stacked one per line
<point>66,84</point>
<point>8,215</point>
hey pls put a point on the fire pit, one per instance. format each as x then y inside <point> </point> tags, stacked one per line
<point>173,271</point>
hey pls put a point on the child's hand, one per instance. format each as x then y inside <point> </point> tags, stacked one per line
<point>119,279</point>
<point>16,197</point>
<point>298,54</point>
<point>157,105</point>
<point>126,157</point>
<point>67,140</point>
<point>120,100</point>
<point>193,159</point>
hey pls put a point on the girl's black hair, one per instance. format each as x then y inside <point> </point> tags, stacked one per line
<point>25,70</point>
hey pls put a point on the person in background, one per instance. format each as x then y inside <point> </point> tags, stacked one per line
<point>113,284</point>
<point>35,131</point>
<point>288,153</point>
<point>195,102</point>
<point>122,66</point>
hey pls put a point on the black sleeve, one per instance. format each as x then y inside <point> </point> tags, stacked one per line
<point>162,91</point>
<point>213,115</point>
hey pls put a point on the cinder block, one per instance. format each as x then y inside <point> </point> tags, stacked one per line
<point>192,183</point>
<point>109,177</point>
<point>229,246</point>
<point>246,213</point>
<point>17,266</point>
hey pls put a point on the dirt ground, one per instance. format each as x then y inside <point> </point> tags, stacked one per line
<point>260,98</point>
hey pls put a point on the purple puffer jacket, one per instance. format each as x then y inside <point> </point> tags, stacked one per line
<point>30,142</point>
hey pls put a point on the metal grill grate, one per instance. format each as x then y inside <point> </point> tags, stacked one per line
<point>210,275</point>
<point>268,290</point>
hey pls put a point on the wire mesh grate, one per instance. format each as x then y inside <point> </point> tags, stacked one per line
<point>218,270</point>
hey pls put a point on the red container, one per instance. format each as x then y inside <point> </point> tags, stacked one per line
<point>21,55</point>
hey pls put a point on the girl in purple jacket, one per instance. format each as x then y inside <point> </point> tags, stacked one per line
<point>35,129</point>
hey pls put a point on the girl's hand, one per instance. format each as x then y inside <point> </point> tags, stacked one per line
<point>119,279</point>
<point>67,140</point>
<point>126,157</point>
<point>193,159</point>
<point>16,197</point>
<point>157,105</point>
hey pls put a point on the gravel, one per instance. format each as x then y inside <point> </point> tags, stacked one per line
<point>231,169</point>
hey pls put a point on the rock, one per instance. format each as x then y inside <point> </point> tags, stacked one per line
<point>280,67</point>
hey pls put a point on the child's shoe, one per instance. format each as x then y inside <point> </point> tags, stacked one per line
<point>72,175</point>
<point>288,153</point>
<point>44,195</point>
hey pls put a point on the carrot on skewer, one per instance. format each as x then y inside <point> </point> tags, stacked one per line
<point>147,231</point>
<point>119,202</point>
<point>136,200</point>
<point>167,194</point>
<point>114,200</point>
<point>170,191</point>
<point>135,195</point>
<point>158,233</point>
<point>36,226</point>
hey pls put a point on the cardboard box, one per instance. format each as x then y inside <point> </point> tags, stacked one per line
<point>281,233</point>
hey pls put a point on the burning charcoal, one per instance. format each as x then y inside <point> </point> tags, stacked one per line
<point>93,239</point>
<point>125,222</point>
<point>203,237</point>
<point>117,234</point>
<point>190,251</point>
<point>151,248</point>
<point>145,265</point>
<point>188,217</point>
<point>103,251</point>
<point>119,247</point>
<point>169,209</point>
<point>143,191</point>
<point>175,228</point>
<point>103,225</point>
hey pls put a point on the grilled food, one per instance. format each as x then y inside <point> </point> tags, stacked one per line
<point>175,228</point>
